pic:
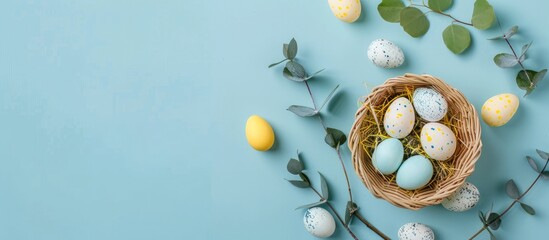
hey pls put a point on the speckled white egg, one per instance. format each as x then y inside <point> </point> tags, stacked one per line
<point>438,141</point>
<point>399,118</point>
<point>429,104</point>
<point>319,222</point>
<point>346,10</point>
<point>465,198</point>
<point>499,109</point>
<point>415,231</point>
<point>385,54</point>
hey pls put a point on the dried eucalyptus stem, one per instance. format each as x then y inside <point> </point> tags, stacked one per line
<point>493,220</point>
<point>334,137</point>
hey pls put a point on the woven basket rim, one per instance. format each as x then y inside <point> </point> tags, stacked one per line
<point>465,159</point>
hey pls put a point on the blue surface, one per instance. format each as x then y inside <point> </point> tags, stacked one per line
<point>125,119</point>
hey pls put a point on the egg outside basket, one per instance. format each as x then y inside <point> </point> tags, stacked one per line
<point>468,149</point>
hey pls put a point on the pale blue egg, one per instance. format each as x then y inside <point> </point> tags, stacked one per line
<point>388,156</point>
<point>414,173</point>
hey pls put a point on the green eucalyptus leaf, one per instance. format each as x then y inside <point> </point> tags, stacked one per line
<point>528,209</point>
<point>496,38</point>
<point>292,50</point>
<point>539,76</point>
<point>299,183</point>
<point>304,177</point>
<point>524,79</point>
<point>303,111</point>
<point>482,217</point>
<point>545,174</point>
<point>311,205</point>
<point>350,212</point>
<point>328,98</point>
<point>285,50</point>
<point>324,186</point>
<point>440,5</point>
<point>456,38</point>
<point>532,163</point>
<point>414,21</point>
<point>288,75</point>
<point>294,166</point>
<point>525,49</point>
<point>543,155</point>
<point>334,137</point>
<point>492,236</point>
<point>274,64</point>
<point>483,15</point>
<point>505,60</point>
<point>296,69</point>
<point>389,10</point>
<point>512,31</point>
<point>314,74</point>
<point>512,190</point>
<point>494,220</point>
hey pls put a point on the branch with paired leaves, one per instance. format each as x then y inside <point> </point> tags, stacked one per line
<point>526,79</point>
<point>334,137</point>
<point>491,221</point>
<point>415,22</point>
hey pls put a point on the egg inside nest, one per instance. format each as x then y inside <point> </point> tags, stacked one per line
<point>372,136</point>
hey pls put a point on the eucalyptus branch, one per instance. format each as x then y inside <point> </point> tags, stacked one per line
<point>441,13</point>
<point>493,220</point>
<point>337,214</point>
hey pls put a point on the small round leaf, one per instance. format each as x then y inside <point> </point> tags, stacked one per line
<point>389,10</point>
<point>483,15</point>
<point>456,38</point>
<point>414,22</point>
<point>440,5</point>
<point>524,79</point>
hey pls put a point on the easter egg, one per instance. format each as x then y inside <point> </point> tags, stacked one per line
<point>319,222</point>
<point>438,141</point>
<point>465,198</point>
<point>385,54</point>
<point>415,231</point>
<point>388,156</point>
<point>499,109</point>
<point>346,10</point>
<point>414,173</point>
<point>429,104</point>
<point>259,133</point>
<point>399,118</point>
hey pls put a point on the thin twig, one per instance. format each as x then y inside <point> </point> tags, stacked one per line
<point>518,59</point>
<point>442,13</point>
<point>369,225</point>
<point>512,204</point>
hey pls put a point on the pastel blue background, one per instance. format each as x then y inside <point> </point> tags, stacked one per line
<point>125,119</point>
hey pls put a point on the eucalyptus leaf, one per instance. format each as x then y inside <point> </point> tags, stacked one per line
<point>532,163</point>
<point>496,38</point>
<point>414,21</point>
<point>304,178</point>
<point>440,5</point>
<point>324,186</point>
<point>505,60</point>
<point>524,50</point>
<point>512,189</point>
<point>545,174</point>
<point>311,205</point>
<point>539,76</point>
<point>524,79</point>
<point>543,155</point>
<point>389,10</point>
<point>328,98</point>
<point>274,64</point>
<point>303,111</point>
<point>456,38</point>
<point>528,209</point>
<point>350,212</point>
<point>296,69</point>
<point>285,50</point>
<point>314,74</point>
<point>334,137</point>
<point>482,217</point>
<point>494,220</point>
<point>483,15</point>
<point>299,183</point>
<point>492,236</point>
<point>294,166</point>
<point>512,31</point>
<point>288,75</point>
<point>292,50</point>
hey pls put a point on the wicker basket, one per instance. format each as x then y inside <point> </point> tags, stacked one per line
<point>463,162</point>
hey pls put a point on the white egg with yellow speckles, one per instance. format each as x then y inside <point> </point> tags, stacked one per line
<point>399,118</point>
<point>415,231</point>
<point>429,104</point>
<point>385,54</point>
<point>438,141</point>
<point>346,10</point>
<point>499,109</point>
<point>319,222</point>
<point>465,198</point>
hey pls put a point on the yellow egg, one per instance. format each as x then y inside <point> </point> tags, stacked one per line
<point>259,133</point>
<point>499,109</point>
<point>346,10</point>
